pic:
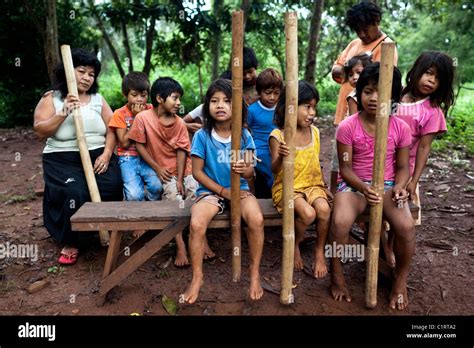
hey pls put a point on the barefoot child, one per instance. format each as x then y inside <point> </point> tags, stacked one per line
<point>311,198</point>
<point>355,145</point>
<point>260,121</point>
<point>135,171</point>
<point>211,153</point>
<point>429,93</point>
<point>163,142</point>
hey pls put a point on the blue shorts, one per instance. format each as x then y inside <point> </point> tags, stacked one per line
<point>345,187</point>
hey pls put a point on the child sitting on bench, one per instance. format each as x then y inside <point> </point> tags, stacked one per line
<point>211,153</point>
<point>163,142</point>
<point>135,171</point>
<point>311,198</point>
<point>355,147</point>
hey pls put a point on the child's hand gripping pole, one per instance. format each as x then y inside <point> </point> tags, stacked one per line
<point>81,139</point>
<point>381,130</point>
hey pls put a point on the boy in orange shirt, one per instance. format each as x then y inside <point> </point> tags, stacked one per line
<point>135,171</point>
<point>163,142</point>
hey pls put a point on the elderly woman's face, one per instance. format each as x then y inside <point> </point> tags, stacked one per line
<point>85,76</point>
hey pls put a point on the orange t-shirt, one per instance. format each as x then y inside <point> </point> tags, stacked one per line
<point>354,48</point>
<point>162,142</point>
<point>123,118</point>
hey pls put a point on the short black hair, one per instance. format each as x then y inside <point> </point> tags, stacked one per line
<point>164,87</point>
<point>226,75</point>
<point>362,59</point>
<point>371,74</point>
<point>250,59</point>
<point>80,57</point>
<point>443,97</point>
<point>306,93</point>
<point>224,86</point>
<point>137,81</point>
<point>362,15</point>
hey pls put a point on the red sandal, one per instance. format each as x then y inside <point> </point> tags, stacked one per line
<point>68,256</point>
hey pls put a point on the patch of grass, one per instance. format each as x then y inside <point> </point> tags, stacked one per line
<point>56,270</point>
<point>6,286</point>
<point>460,125</point>
<point>13,199</point>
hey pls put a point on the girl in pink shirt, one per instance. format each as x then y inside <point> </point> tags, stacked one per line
<point>425,100</point>
<point>355,146</point>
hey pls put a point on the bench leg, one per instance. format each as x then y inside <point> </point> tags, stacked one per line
<point>139,258</point>
<point>111,259</point>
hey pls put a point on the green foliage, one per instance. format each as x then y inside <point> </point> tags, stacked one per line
<point>23,69</point>
<point>328,94</point>
<point>110,87</point>
<point>460,124</point>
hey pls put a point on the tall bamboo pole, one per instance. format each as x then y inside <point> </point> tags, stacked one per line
<point>237,80</point>
<point>81,138</point>
<point>380,151</point>
<point>291,102</point>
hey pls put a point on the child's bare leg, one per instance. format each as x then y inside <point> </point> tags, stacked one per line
<point>403,226</point>
<point>323,215</point>
<point>390,253</point>
<point>181,255</point>
<point>304,216</point>
<point>201,215</point>
<point>208,253</point>
<point>347,206</point>
<point>252,215</point>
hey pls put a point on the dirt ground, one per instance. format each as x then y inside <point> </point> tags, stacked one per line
<point>440,282</point>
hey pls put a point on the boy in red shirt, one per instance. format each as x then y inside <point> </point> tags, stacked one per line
<point>135,171</point>
<point>163,142</point>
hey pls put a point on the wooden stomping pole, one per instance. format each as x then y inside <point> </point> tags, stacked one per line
<point>81,138</point>
<point>380,151</point>
<point>291,35</point>
<point>237,81</point>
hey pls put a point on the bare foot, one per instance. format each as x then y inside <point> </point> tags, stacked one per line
<point>192,293</point>
<point>299,264</point>
<point>320,268</point>
<point>181,259</point>
<point>138,233</point>
<point>339,287</point>
<point>390,257</point>
<point>208,253</point>
<point>399,295</point>
<point>255,289</point>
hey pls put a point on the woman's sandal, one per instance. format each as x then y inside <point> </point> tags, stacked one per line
<point>68,256</point>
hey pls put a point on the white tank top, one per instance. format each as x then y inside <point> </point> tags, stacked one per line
<point>94,127</point>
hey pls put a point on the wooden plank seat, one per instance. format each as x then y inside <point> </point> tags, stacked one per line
<point>170,217</point>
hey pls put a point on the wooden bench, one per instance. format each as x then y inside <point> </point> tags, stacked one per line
<point>170,217</point>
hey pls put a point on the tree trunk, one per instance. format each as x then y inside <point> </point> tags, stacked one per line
<point>51,48</point>
<point>107,39</point>
<point>246,8</point>
<point>48,33</point>
<point>314,31</point>
<point>126,44</point>
<point>216,42</point>
<point>150,34</point>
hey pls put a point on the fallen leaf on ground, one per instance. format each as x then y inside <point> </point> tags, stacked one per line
<point>169,305</point>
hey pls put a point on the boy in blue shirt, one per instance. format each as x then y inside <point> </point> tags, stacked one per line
<point>260,122</point>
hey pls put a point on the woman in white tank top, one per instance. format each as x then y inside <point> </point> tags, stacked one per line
<point>65,184</point>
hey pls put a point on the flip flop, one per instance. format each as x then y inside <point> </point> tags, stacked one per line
<point>66,258</point>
